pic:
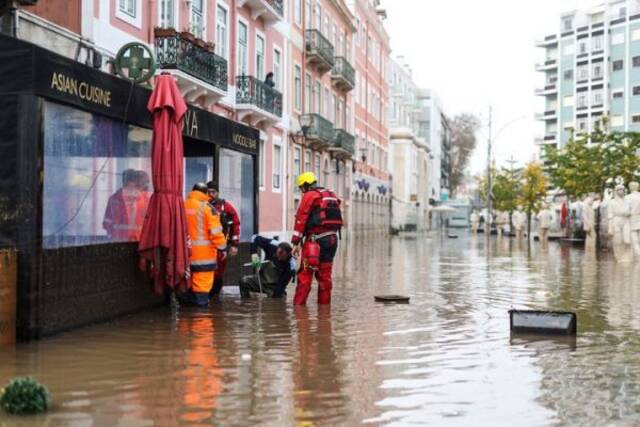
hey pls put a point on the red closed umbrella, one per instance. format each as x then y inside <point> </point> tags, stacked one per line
<point>163,244</point>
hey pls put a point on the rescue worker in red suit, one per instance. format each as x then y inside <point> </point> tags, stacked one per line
<point>318,222</point>
<point>231,228</point>
<point>126,208</point>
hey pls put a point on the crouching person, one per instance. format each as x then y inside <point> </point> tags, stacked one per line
<point>205,232</point>
<point>275,274</point>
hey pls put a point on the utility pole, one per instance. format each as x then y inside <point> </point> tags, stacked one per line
<point>489,183</point>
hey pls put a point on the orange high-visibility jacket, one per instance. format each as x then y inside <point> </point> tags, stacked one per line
<point>205,232</point>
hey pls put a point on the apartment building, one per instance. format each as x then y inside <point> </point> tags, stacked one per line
<point>410,160</point>
<point>320,98</point>
<point>371,182</point>
<point>591,70</point>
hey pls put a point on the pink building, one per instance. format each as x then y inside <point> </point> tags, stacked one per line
<point>322,78</point>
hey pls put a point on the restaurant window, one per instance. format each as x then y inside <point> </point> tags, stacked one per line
<point>167,14</point>
<point>259,57</point>
<point>96,183</point>
<point>243,48</point>
<point>297,152</point>
<point>197,23</point>
<point>237,185</point>
<point>277,167</point>
<point>197,169</point>
<point>221,31</point>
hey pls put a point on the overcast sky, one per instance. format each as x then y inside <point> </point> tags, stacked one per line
<point>476,53</point>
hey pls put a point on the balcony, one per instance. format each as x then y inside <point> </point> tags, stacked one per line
<point>319,51</point>
<point>344,144</point>
<point>200,73</point>
<point>317,130</point>
<point>343,75</point>
<point>547,115</point>
<point>548,139</point>
<point>256,102</point>
<point>271,11</point>
<point>551,40</point>
<point>548,65</point>
<point>549,89</point>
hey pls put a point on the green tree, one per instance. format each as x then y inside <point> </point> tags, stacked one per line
<point>534,191</point>
<point>506,190</point>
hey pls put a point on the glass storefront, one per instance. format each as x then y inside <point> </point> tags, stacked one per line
<point>237,186</point>
<point>96,178</point>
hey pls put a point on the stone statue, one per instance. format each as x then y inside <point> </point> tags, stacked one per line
<point>589,224</point>
<point>475,220</point>
<point>545,219</point>
<point>502,220</point>
<point>618,216</point>
<point>519,220</point>
<point>633,205</point>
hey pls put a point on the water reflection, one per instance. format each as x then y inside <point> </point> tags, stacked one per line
<point>445,359</point>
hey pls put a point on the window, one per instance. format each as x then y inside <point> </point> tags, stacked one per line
<point>167,10</point>
<point>617,65</point>
<point>582,100</point>
<point>197,23</point>
<point>568,75</point>
<point>317,165</point>
<point>237,185</point>
<point>96,182</point>
<point>334,113</point>
<point>617,94</point>
<point>297,152</point>
<point>307,93</point>
<point>636,61</point>
<point>636,90</point>
<point>259,57</point>
<point>567,23</point>
<point>317,95</point>
<point>326,173</point>
<point>128,7</point>
<point>583,73</point>
<point>318,18</point>
<point>243,48</point>
<point>297,11</point>
<point>307,161</point>
<point>277,71</point>
<point>597,71</point>
<point>582,124</point>
<point>635,118</point>
<point>308,11</point>
<point>569,49</point>
<point>582,47</point>
<point>597,43</point>
<point>635,35</point>
<point>326,112</point>
<point>298,88</point>
<point>261,164</point>
<point>597,97</point>
<point>277,166</point>
<point>338,123</point>
<point>221,31</point>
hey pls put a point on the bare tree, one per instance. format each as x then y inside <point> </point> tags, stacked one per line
<point>463,141</point>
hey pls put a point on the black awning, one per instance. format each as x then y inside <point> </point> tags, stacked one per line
<point>27,68</point>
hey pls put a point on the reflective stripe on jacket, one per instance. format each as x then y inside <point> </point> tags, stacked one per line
<point>205,232</point>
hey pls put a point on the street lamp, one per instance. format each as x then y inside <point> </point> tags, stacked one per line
<point>305,124</point>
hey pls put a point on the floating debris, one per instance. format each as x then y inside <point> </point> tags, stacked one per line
<point>543,322</point>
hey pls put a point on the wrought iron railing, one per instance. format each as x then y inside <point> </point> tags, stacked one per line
<point>342,68</point>
<point>250,90</point>
<point>182,53</point>
<point>345,141</point>
<point>317,44</point>
<point>277,5</point>
<point>319,128</point>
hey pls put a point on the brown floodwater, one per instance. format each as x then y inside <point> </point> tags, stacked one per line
<point>447,358</point>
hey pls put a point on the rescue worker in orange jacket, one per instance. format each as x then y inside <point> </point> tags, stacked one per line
<point>207,239</point>
<point>318,222</point>
<point>231,227</point>
<point>126,208</point>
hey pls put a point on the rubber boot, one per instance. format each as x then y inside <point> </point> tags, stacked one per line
<point>325,283</point>
<point>305,278</point>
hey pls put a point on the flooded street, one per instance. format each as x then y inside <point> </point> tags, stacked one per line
<point>446,358</point>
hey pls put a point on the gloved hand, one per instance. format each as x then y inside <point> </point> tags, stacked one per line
<point>255,261</point>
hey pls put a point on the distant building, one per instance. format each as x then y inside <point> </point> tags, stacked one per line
<point>409,161</point>
<point>592,71</point>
